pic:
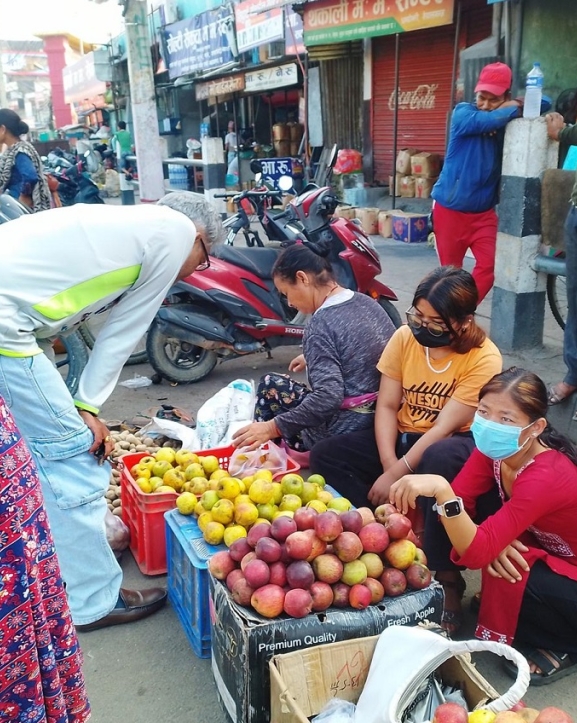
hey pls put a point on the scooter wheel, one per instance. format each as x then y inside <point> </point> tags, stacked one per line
<point>175,360</point>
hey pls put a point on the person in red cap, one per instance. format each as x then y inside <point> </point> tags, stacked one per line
<point>467,190</point>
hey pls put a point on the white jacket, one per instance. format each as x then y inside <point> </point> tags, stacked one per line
<point>61,266</point>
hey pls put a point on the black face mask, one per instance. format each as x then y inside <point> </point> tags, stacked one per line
<point>425,338</point>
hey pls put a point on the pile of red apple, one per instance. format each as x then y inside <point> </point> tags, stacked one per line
<point>314,560</point>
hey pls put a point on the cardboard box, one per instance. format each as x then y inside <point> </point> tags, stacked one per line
<point>345,212</point>
<point>426,165</point>
<point>407,187</point>
<point>243,642</point>
<point>303,681</point>
<point>385,223</point>
<point>369,218</point>
<point>410,227</point>
<point>398,177</point>
<point>424,186</point>
<point>403,164</point>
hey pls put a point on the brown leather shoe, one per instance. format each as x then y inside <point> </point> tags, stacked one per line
<point>138,604</point>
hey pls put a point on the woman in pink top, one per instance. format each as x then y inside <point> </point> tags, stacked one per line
<point>527,549</point>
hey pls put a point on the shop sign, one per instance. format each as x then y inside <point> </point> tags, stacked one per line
<point>199,43</point>
<point>423,97</point>
<point>257,25</point>
<point>271,78</point>
<point>80,81</point>
<point>274,168</point>
<point>220,87</point>
<point>294,43</point>
<point>338,21</point>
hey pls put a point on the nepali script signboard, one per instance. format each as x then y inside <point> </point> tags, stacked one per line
<point>337,21</point>
<point>257,25</point>
<point>199,43</point>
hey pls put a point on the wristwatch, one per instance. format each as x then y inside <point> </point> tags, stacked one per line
<point>451,508</point>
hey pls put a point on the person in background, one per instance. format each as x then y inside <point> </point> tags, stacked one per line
<point>558,131</point>
<point>467,191</point>
<point>230,143</point>
<point>123,144</point>
<point>121,257</point>
<point>41,663</point>
<point>527,547</point>
<point>21,172</point>
<point>342,343</point>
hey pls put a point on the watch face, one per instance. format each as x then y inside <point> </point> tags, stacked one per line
<point>452,508</point>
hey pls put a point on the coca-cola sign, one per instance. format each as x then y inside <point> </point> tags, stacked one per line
<point>422,98</point>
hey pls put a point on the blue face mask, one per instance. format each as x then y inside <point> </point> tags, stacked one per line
<point>497,441</point>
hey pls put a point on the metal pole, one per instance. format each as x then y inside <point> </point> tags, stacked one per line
<point>237,131</point>
<point>396,119</point>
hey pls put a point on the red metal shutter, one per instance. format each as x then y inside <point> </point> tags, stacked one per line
<point>425,71</point>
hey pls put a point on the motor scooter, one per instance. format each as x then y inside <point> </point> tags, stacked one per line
<point>233,308</point>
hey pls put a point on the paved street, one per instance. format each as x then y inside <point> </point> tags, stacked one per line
<point>146,672</point>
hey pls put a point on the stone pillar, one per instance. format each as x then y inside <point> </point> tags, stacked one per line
<point>214,172</point>
<point>519,293</point>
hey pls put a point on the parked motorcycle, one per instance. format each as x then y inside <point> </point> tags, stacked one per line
<point>75,356</point>
<point>233,308</point>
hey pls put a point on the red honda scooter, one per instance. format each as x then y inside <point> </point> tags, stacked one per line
<point>233,308</point>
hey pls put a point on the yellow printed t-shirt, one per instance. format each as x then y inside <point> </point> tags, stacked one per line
<point>425,393</point>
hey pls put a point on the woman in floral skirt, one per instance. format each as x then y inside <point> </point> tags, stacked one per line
<point>41,678</point>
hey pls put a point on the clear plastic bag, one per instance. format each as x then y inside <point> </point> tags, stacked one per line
<point>336,711</point>
<point>117,533</point>
<point>267,456</point>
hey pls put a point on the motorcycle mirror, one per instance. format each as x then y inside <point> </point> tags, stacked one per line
<point>258,177</point>
<point>333,157</point>
<point>285,183</point>
<point>256,166</point>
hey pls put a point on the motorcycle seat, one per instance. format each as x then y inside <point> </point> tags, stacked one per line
<point>258,261</point>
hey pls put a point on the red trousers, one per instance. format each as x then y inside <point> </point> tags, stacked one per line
<point>456,231</point>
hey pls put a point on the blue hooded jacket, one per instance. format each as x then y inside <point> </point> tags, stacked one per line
<point>469,181</point>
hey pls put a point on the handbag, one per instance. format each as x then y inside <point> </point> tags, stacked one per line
<point>406,657</point>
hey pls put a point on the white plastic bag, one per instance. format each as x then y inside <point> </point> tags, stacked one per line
<point>117,533</point>
<point>336,711</point>
<point>267,456</point>
<point>232,404</point>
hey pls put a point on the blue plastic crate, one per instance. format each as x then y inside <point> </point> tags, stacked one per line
<point>187,557</point>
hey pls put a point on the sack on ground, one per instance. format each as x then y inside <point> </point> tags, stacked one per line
<point>233,403</point>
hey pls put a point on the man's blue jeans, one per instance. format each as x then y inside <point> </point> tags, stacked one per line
<point>570,339</point>
<point>73,483</point>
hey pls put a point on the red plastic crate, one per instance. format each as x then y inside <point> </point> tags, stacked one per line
<point>144,513</point>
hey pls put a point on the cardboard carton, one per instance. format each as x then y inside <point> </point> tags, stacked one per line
<point>385,223</point>
<point>303,681</point>
<point>369,220</point>
<point>398,178</point>
<point>403,164</point>
<point>345,212</point>
<point>407,187</point>
<point>243,642</point>
<point>426,165</point>
<point>424,186</point>
<point>410,227</point>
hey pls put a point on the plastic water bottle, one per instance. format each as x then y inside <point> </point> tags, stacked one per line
<point>533,92</point>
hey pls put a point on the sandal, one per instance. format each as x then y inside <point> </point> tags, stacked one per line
<point>555,396</point>
<point>452,620</point>
<point>553,666</point>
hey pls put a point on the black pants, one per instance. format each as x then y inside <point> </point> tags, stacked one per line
<point>350,462</point>
<point>547,619</point>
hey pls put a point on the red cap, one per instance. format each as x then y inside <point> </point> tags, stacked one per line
<point>495,78</point>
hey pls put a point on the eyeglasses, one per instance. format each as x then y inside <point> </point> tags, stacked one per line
<point>416,322</point>
<point>206,263</point>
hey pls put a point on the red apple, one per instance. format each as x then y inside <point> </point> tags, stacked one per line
<point>298,603</point>
<point>373,563</point>
<point>220,564</point>
<point>300,574</point>
<point>341,595</point>
<point>299,545</point>
<point>376,588</point>
<point>359,597</point>
<point>239,549</point>
<point>282,527</point>
<point>354,572</point>
<point>268,549</point>
<point>398,526</point>
<point>518,706</point>
<point>328,526</point>
<point>233,576</point>
<point>242,592</point>
<point>247,558</point>
<point>351,521</point>
<point>400,554</point>
<point>450,713</point>
<point>256,532</point>
<point>278,573</point>
<point>418,576</point>
<point>268,600</point>
<point>393,581</point>
<point>304,518</point>
<point>383,512</point>
<point>318,546</point>
<point>553,715</point>
<point>328,568</point>
<point>414,539</point>
<point>257,573</point>
<point>322,595</point>
<point>367,515</point>
<point>348,546</point>
<point>374,537</point>
<point>420,556</point>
